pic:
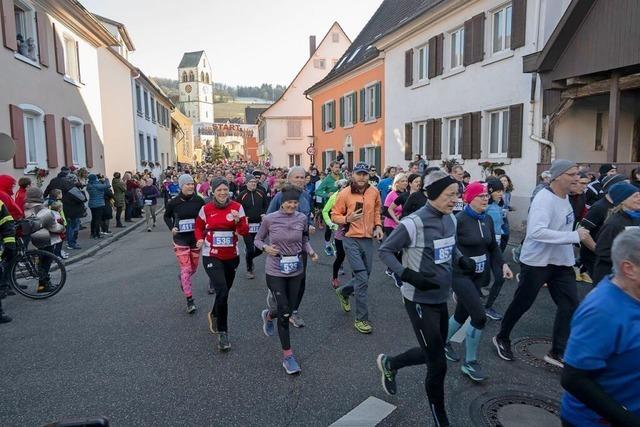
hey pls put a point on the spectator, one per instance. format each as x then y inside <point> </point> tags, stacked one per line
<point>21,194</point>
<point>422,164</point>
<point>73,204</point>
<point>119,191</point>
<point>64,181</point>
<point>635,177</point>
<point>96,188</point>
<point>7,183</point>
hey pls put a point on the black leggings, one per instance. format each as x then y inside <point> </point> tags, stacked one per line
<point>252,251</point>
<point>327,233</point>
<point>467,291</point>
<point>221,275</point>
<point>430,323</point>
<point>96,220</point>
<point>340,255</point>
<point>303,282</point>
<point>496,287</point>
<point>285,290</point>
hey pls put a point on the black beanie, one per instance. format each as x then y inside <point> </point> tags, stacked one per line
<point>289,194</point>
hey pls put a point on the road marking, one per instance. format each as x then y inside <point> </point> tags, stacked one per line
<point>462,332</point>
<point>367,414</point>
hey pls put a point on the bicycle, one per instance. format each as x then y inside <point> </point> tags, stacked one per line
<point>34,273</point>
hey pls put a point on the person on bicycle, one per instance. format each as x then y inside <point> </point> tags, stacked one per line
<point>8,236</point>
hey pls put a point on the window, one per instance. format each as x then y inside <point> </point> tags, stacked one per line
<point>347,112</point>
<point>155,149</point>
<point>370,155</point>
<point>455,136</point>
<point>423,63</point>
<point>456,48</point>
<point>77,142</point>
<point>319,63</point>
<point>184,76</point>
<point>141,146</point>
<point>370,103</point>
<point>191,76</point>
<point>138,100</point>
<point>599,146</point>
<point>422,137</point>
<point>294,128</point>
<point>328,115</point>
<point>146,105</point>
<point>294,160</point>
<point>26,37</point>
<point>501,29</point>
<point>71,58</point>
<point>335,37</point>
<point>35,145</point>
<point>153,110</point>
<point>499,122</point>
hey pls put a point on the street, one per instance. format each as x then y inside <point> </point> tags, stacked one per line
<point>117,342</point>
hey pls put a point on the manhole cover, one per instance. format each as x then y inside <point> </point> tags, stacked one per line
<point>531,350</point>
<point>515,409</point>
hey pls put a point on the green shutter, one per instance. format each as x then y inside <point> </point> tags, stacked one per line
<point>342,111</point>
<point>362,104</point>
<point>378,101</point>
<point>333,114</point>
<point>362,154</point>
<point>378,159</point>
<point>324,161</point>
<point>354,105</point>
<point>324,119</point>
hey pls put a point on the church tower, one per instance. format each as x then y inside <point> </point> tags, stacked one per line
<point>196,87</point>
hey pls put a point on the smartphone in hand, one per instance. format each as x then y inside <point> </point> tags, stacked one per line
<point>359,206</point>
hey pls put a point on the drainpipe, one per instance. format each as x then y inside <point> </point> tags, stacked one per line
<point>313,137</point>
<point>532,104</point>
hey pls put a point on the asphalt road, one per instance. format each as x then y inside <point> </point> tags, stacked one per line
<point>117,342</point>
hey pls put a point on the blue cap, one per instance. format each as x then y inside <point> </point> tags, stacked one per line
<point>361,167</point>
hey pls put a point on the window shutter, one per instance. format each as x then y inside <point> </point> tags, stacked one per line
<point>474,40</point>
<point>9,26</point>
<point>324,161</point>
<point>408,68</point>
<point>362,155</point>
<point>88,146</point>
<point>333,114</point>
<point>66,140</point>
<point>43,38</point>
<point>476,135</point>
<point>439,54</point>
<point>437,139</point>
<point>408,141</point>
<point>514,148</point>
<point>378,154</point>
<point>324,118</point>
<point>342,118</point>
<point>378,91</point>
<point>518,23</point>
<point>59,52</point>
<point>354,108</point>
<point>468,43</point>
<point>429,136</point>
<point>17,133</point>
<point>433,50</point>
<point>50,139</point>
<point>362,104</point>
<point>466,136</point>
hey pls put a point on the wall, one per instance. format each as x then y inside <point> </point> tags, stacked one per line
<point>281,146</point>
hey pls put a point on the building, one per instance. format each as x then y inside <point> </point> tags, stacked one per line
<point>182,133</point>
<point>50,98</point>
<point>196,87</point>
<point>238,140</point>
<point>455,90</point>
<point>285,128</point>
<point>590,79</point>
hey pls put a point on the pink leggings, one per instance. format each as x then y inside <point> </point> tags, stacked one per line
<point>188,261</point>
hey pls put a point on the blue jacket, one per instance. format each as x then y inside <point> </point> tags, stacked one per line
<point>304,205</point>
<point>494,210</point>
<point>96,190</point>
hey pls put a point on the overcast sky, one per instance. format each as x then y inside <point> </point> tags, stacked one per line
<point>248,42</point>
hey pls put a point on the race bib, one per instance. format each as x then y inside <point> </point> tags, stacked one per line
<point>480,263</point>
<point>442,249</point>
<point>459,205</point>
<point>289,264</point>
<point>222,239</point>
<point>253,228</point>
<point>186,225</point>
<point>632,227</point>
<point>148,202</point>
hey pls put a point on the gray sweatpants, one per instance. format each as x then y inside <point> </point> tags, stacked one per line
<point>360,255</point>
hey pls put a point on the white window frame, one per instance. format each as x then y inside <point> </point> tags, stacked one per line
<point>29,27</point>
<point>38,143</point>
<point>295,159</point>
<point>503,12</point>
<point>328,126</point>
<point>459,57</point>
<point>422,61</point>
<point>457,144</point>
<point>421,137</point>
<point>347,113</point>
<point>78,150</point>
<point>71,55</point>
<point>294,129</point>
<point>370,102</point>
<point>502,116</point>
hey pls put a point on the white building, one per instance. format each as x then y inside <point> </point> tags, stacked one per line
<point>285,128</point>
<point>455,87</point>
<point>196,87</point>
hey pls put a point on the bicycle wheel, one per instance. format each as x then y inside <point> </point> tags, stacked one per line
<point>38,274</point>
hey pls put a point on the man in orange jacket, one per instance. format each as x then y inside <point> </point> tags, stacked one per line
<point>357,207</point>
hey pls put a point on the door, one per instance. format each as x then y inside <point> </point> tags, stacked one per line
<point>350,160</point>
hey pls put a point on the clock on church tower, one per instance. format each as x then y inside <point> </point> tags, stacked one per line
<point>188,88</point>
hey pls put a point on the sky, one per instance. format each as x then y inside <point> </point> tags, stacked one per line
<point>248,42</point>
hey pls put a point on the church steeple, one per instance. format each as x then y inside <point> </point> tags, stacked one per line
<point>196,87</point>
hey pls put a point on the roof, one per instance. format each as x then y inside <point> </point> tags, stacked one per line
<point>191,59</point>
<point>121,28</point>
<point>391,14</point>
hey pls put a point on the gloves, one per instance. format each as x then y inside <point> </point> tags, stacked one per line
<point>418,280</point>
<point>467,265</point>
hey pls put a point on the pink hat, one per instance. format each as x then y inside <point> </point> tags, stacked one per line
<point>473,190</point>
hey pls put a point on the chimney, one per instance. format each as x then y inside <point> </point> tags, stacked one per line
<point>312,45</point>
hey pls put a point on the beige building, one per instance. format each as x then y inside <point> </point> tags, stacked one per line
<point>182,132</point>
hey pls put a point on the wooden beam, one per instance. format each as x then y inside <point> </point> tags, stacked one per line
<point>601,87</point>
<point>614,118</point>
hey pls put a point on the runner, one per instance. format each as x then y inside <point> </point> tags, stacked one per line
<point>217,228</point>
<point>418,199</point>
<point>325,190</point>
<point>338,233</point>
<point>457,173</point>
<point>255,204</point>
<point>286,232</point>
<point>547,257</point>
<point>427,240</point>
<point>180,216</point>
<point>392,212</point>
<point>357,207</point>
<point>475,238</point>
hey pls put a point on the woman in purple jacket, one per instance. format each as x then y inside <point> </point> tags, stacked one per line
<point>287,233</point>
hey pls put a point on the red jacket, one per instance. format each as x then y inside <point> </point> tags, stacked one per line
<point>21,195</point>
<point>7,182</point>
<point>219,231</point>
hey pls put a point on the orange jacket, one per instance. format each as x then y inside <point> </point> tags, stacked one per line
<point>346,204</point>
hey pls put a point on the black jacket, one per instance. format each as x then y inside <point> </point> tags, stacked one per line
<point>181,208</point>
<point>475,238</point>
<point>72,207</point>
<point>254,203</point>
<point>613,226</point>
<point>63,181</point>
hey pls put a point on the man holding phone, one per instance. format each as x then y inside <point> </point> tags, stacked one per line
<point>357,207</point>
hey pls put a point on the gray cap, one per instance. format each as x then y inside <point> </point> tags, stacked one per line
<point>185,179</point>
<point>560,166</point>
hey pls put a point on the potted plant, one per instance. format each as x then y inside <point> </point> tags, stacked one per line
<point>40,174</point>
<point>488,167</point>
<point>448,164</point>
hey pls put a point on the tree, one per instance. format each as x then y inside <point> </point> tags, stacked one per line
<point>217,153</point>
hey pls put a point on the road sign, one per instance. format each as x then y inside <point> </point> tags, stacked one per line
<point>311,150</point>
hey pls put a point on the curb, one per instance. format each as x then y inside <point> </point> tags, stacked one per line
<point>95,249</point>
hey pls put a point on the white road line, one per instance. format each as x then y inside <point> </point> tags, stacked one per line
<point>367,414</point>
<point>459,336</point>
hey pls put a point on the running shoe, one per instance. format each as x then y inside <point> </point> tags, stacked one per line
<point>290,365</point>
<point>191,306</point>
<point>64,255</point>
<point>586,278</point>
<point>388,272</point>
<point>554,359</point>
<point>504,348</point>
<point>250,275</point>
<point>484,292</point>
<point>578,275</point>
<point>335,283</point>
<point>267,324</point>
<point>213,326</point>
<point>397,280</point>
<point>223,342</point>
<point>473,370</point>
<point>388,375</point>
<point>328,251</point>
<point>492,314</point>
<point>149,230</point>
<point>363,326</point>
<point>344,301</point>
<point>296,320</point>
<point>44,286</point>
<point>450,353</point>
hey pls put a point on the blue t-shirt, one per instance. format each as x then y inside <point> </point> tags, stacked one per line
<point>605,337</point>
